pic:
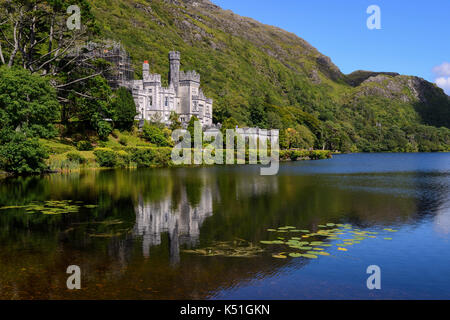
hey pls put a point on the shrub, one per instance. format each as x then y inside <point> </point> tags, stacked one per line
<point>21,155</point>
<point>75,157</point>
<point>115,133</point>
<point>155,135</point>
<point>123,141</point>
<point>123,159</point>
<point>84,146</point>
<point>105,157</point>
<point>103,130</point>
<point>151,157</point>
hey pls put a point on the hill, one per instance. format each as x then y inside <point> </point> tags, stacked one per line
<point>265,76</point>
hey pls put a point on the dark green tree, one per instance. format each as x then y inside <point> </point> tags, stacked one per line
<point>21,155</point>
<point>27,103</point>
<point>123,109</point>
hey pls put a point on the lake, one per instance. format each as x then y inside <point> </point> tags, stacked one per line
<point>195,233</point>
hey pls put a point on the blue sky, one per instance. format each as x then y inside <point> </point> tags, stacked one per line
<point>414,38</point>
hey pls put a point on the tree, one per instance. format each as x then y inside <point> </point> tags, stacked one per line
<point>174,121</point>
<point>123,109</point>
<point>27,103</point>
<point>191,127</point>
<point>36,33</point>
<point>21,155</point>
<point>91,109</point>
<point>229,123</point>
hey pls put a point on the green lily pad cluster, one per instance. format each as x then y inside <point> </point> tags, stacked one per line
<point>51,207</point>
<point>311,245</point>
<point>237,248</point>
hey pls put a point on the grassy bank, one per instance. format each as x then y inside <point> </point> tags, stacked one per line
<point>126,150</point>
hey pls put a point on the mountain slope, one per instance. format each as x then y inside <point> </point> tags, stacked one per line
<point>262,75</point>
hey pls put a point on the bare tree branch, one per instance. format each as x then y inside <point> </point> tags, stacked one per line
<point>78,80</point>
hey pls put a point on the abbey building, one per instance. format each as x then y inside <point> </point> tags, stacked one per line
<point>183,95</point>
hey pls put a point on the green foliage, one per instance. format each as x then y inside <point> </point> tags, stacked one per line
<point>174,121</point>
<point>105,157</point>
<point>150,157</point>
<point>93,108</point>
<point>123,141</point>
<point>123,159</point>
<point>299,137</point>
<point>229,123</point>
<point>21,155</point>
<point>155,135</point>
<point>27,102</point>
<point>75,157</point>
<point>123,109</point>
<point>103,129</point>
<point>304,154</point>
<point>84,145</point>
<point>191,127</point>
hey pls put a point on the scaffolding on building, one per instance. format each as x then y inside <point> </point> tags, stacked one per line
<point>121,72</point>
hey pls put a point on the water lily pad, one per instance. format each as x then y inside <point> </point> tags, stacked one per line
<point>295,255</point>
<point>342,249</point>
<point>279,256</point>
<point>311,256</point>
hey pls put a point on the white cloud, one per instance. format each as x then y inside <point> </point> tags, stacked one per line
<point>442,73</point>
<point>444,83</point>
<point>442,70</point>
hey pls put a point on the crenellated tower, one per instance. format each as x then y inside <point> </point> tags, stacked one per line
<point>174,71</point>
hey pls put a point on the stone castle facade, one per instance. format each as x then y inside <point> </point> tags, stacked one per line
<point>183,95</point>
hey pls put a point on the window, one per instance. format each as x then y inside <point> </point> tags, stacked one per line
<point>166,102</point>
<point>150,101</point>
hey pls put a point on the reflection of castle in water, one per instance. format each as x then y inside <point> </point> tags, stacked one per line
<point>182,221</point>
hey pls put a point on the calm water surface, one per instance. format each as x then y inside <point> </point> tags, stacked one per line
<point>133,233</point>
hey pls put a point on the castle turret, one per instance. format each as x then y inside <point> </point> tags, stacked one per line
<point>145,69</point>
<point>174,72</point>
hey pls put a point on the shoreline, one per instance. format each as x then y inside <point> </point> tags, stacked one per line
<point>285,156</point>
